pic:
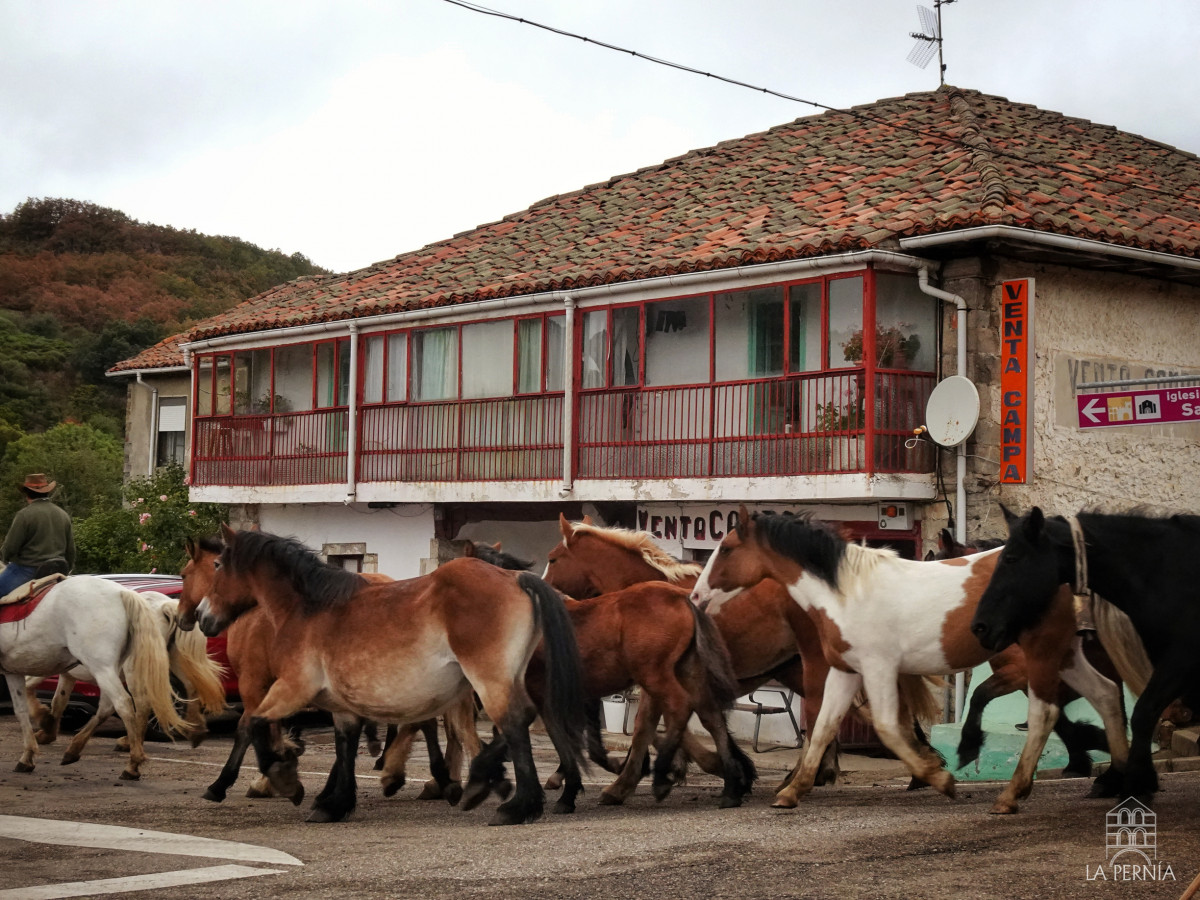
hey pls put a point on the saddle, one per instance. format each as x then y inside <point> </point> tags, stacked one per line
<point>31,590</point>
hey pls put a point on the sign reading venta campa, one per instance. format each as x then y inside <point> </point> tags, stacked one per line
<point>1016,379</point>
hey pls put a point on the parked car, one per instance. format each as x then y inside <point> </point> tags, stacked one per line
<point>86,696</point>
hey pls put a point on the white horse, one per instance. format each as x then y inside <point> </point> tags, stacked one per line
<point>98,624</point>
<point>196,671</point>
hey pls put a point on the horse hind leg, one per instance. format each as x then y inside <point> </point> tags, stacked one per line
<point>462,740</point>
<point>1042,716</point>
<point>738,770</point>
<point>644,725</point>
<point>394,759</point>
<point>28,759</point>
<point>340,795</point>
<point>840,688</point>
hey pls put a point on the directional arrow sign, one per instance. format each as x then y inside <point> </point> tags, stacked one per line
<point>1139,407</point>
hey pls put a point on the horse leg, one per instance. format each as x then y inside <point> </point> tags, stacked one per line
<point>970,741</point>
<point>644,725</point>
<point>1079,738</point>
<point>134,716</point>
<point>42,718</point>
<point>229,772</point>
<point>1108,700</point>
<point>486,773</point>
<point>528,800</point>
<point>281,769</point>
<point>27,761</point>
<point>75,748</point>
<point>395,758</point>
<point>884,694</point>
<point>461,740</point>
<point>389,737</point>
<point>371,732</point>
<point>815,671</point>
<point>439,782</point>
<point>340,794</point>
<point>738,770</point>
<point>1173,674</point>
<point>1041,718</point>
<point>840,689</point>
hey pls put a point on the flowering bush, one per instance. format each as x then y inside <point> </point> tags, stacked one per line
<point>891,345</point>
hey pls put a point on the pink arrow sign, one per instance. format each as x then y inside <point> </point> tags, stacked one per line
<point>1139,407</point>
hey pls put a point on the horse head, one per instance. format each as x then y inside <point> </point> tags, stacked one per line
<point>566,568</point>
<point>1025,580</point>
<point>197,575</point>
<point>493,555</point>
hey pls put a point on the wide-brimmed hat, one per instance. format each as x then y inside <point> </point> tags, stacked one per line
<point>38,484</point>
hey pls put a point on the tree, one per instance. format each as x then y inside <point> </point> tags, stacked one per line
<point>87,464</point>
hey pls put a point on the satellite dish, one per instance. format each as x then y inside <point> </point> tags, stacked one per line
<point>952,411</point>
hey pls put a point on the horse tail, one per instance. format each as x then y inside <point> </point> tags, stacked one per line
<point>563,708</point>
<point>1124,647</point>
<point>147,667</point>
<point>190,661</point>
<point>713,656</point>
<point>917,695</point>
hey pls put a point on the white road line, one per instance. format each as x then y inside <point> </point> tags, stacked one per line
<point>133,883</point>
<point>116,837</point>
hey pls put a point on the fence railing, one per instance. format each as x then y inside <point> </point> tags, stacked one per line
<point>807,424</point>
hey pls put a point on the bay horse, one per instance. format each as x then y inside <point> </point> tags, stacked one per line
<point>98,624</point>
<point>1010,674</point>
<point>189,662</point>
<point>249,648</point>
<point>403,651</point>
<point>880,614</point>
<point>1148,567</point>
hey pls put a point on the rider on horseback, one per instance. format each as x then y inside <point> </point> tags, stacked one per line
<point>40,534</point>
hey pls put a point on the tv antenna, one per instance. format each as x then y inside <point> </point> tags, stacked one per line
<point>929,38</point>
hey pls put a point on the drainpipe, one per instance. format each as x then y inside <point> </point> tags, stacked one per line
<point>568,416</point>
<point>153,449</point>
<point>352,420</point>
<point>960,481</point>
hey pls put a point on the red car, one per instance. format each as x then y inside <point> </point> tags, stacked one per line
<point>86,695</point>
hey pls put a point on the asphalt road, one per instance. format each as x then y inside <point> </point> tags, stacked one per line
<point>866,837</point>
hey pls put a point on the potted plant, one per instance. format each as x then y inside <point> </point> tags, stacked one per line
<point>894,346</point>
<point>838,446</point>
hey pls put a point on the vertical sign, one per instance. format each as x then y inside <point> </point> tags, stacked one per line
<point>1016,379</point>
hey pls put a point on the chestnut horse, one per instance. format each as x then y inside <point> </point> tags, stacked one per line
<point>249,642</point>
<point>1146,566</point>
<point>880,615</point>
<point>403,651</point>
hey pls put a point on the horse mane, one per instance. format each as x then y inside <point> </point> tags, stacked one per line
<point>319,585</point>
<point>210,543</point>
<point>812,543</point>
<point>499,558</point>
<point>642,543</point>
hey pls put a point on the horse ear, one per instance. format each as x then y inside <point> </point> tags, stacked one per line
<point>945,540</point>
<point>227,534</point>
<point>928,556</point>
<point>1034,522</point>
<point>587,520</point>
<point>743,519</point>
<point>568,530</point>
<point>496,546</point>
<point>468,549</point>
<point>189,547</point>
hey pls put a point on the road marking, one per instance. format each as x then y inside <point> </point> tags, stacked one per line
<point>117,837</point>
<point>133,883</point>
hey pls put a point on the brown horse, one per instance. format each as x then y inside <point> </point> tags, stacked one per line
<point>250,640</point>
<point>881,615</point>
<point>403,651</point>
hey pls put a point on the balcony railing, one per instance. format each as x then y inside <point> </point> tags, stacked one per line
<point>801,425</point>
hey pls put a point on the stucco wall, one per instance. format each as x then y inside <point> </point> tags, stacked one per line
<point>139,417</point>
<point>1088,326</point>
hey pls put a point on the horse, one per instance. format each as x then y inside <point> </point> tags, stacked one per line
<point>767,635</point>
<point>1148,567</point>
<point>187,654</point>
<point>880,615</point>
<point>403,651</point>
<point>249,644</point>
<point>1010,674</point>
<point>108,629</point>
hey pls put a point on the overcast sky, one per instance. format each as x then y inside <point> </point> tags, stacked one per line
<point>352,131</point>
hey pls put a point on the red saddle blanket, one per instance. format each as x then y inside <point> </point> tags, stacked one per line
<point>15,612</point>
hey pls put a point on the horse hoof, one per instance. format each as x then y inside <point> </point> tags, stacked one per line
<point>214,796</point>
<point>661,791</point>
<point>378,767</point>
<point>943,782</point>
<point>453,793</point>
<point>475,794</point>
<point>69,759</point>
<point>43,738</point>
<point>607,799</point>
<point>506,815</point>
<point>1004,808</point>
<point>23,767</point>
<point>257,793</point>
<point>502,788</point>
<point>1077,773</point>
<point>554,782</point>
<point>783,803</point>
<point>391,785</point>
<point>431,790</point>
<point>322,817</point>
<point>197,739</point>
<point>298,797</point>
<point>728,802</point>
<point>916,784</point>
<point>562,808</point>
<point>131,776</point>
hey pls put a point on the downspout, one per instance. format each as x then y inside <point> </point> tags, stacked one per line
<point>568,416</point>
<point>352,420</point>
<point>153,449</point>
<point>960,481</point>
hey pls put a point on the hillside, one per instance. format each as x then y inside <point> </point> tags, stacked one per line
<point>83,287</point>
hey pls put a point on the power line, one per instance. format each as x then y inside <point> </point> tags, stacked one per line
<point>855,114</point>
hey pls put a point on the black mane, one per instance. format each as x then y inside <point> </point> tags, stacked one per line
<point>499,558</point>
<point>318,585</point>
<point>810,542</point>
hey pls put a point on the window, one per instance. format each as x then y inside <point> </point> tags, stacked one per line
<point>294,376</point>
<point>804,319</point>
<point>529,356</point>
<point>906,324</point>
<point>172,420</point>
<point>435,364</point>
<point>845,322</point>
<point>333,373</point>
<point>749,334</point>
<point>373,350</point>
<point>556,330</point>
<point>252,382</point>
<point>487,350</point>
<point>204,386</point>
<point>626,351</point>
<point>677,341</point>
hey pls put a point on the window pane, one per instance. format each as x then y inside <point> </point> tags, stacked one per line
<point>294,376</point>
<point>435,364</point>
<point>224,387</point>
<point>595,348</point>
<point>487,349</point>
<point>529,356</point>
<point>845,322</point>
<point>204,389</point>
<point>397,368</point>
<point>343,381</point>
<point>677,341</point>
<point>749,334</point>
<point>373,350</point>
<point>906,324</point>
<point>805,311</point>
<point>326,380</point>
<point>252,383</point>
<point>626,355</point>
<point>556,330</point>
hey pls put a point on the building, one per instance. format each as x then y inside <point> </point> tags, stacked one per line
<point>759,322</point>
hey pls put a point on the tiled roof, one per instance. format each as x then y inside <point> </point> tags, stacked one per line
<point>922,163</point>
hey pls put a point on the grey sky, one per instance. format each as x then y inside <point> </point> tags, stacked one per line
<point>353,131</point>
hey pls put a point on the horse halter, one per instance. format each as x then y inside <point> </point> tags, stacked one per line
<point>1083,597</point>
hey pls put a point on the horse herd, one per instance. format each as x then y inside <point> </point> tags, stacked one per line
<point>854,630</point>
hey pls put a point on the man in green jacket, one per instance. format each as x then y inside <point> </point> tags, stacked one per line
<point>39,533</point>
